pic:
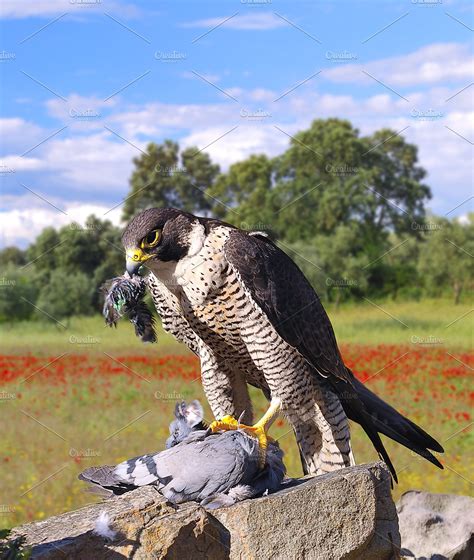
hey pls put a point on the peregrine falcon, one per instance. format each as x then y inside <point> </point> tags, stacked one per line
<point>250,315</point>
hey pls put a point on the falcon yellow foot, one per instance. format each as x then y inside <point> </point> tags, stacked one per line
<point>258,430</point>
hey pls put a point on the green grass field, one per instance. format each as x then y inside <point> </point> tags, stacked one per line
<point>85,394</point>
<point>368,323</point>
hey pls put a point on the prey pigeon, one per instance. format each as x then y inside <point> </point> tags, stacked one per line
<point>213,469</point>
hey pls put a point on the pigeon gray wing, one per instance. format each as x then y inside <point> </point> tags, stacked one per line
<point>267,480</point>
<point>104,481</point>
<point>216,464</point>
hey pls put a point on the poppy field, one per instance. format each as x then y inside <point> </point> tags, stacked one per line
<point>96,401</point>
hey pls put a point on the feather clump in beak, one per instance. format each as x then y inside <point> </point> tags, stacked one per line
<point>123,296</point>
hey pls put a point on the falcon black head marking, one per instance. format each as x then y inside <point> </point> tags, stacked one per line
<point>161,234</point>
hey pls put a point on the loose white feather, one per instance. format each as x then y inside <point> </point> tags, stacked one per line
<point>102,527</point>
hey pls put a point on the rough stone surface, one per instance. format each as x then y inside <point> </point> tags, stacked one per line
<point>346,515</point>
<point>436,526</point>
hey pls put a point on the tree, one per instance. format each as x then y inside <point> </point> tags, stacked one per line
<point>315,178</point>
<point>65,295</point>
<point>164,177</point>
<point>44,250</point>
<point>335,264</point>
<point>394,180</point>
<point>12,255</point>
<point>446,258</point>
<point>17,294</point>
<point>330,175</point>
<point>244,196</point>
<point>397,269</point>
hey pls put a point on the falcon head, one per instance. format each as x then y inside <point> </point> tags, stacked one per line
<point>159,235</point>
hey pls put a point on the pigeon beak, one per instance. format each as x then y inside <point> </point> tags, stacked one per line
<point>135,259</point>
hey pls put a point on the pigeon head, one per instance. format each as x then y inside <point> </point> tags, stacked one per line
<point>189,418</point>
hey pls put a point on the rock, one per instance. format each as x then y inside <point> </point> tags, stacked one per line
<point>436,526</point>
<point>347,514</point>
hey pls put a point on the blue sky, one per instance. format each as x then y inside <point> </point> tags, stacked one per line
<point>87,83</point>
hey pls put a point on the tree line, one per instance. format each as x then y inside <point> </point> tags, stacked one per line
<point>349,209</point>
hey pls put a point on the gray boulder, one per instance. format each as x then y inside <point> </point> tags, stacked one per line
<point>436,526</point>
<point>348,514</point>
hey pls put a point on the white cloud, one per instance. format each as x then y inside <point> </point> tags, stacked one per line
<point>238,144</point>
<point>439,62</point>
<point>95,161</point>
<point>81,112</point>
<point>16,9</point>
<point>81,162</point>
<point>447,157</point>
<point>256,21</point>
<point>20,135</point>
<point>24,218</point>
<point>12,164</point>
<point>90,162</point>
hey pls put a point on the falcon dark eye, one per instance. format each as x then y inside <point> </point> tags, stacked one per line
<point>151,240</point>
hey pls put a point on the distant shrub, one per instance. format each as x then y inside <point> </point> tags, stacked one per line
<point>65,295</point>
<point>17,294</point>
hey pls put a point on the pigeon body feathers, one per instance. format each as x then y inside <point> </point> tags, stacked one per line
<point>214,469</point>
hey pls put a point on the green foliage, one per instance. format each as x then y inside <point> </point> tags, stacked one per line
<point>93,250</point>
<point>44,250</point>
<point>316,177</point>
<point>349,209</point>
<point>64,295</point>
<point>17,294</point>
<point>13,548</point>
<point>330,175</point>
<point>12,255</point>
<point>335,265</point>
<point>164,177</point>
<point>446,258</point>
<point>244,196</point>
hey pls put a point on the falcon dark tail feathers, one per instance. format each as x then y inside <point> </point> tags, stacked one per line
<point>375,415</point>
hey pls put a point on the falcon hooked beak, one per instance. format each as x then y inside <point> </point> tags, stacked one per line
<point>134,260</point>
